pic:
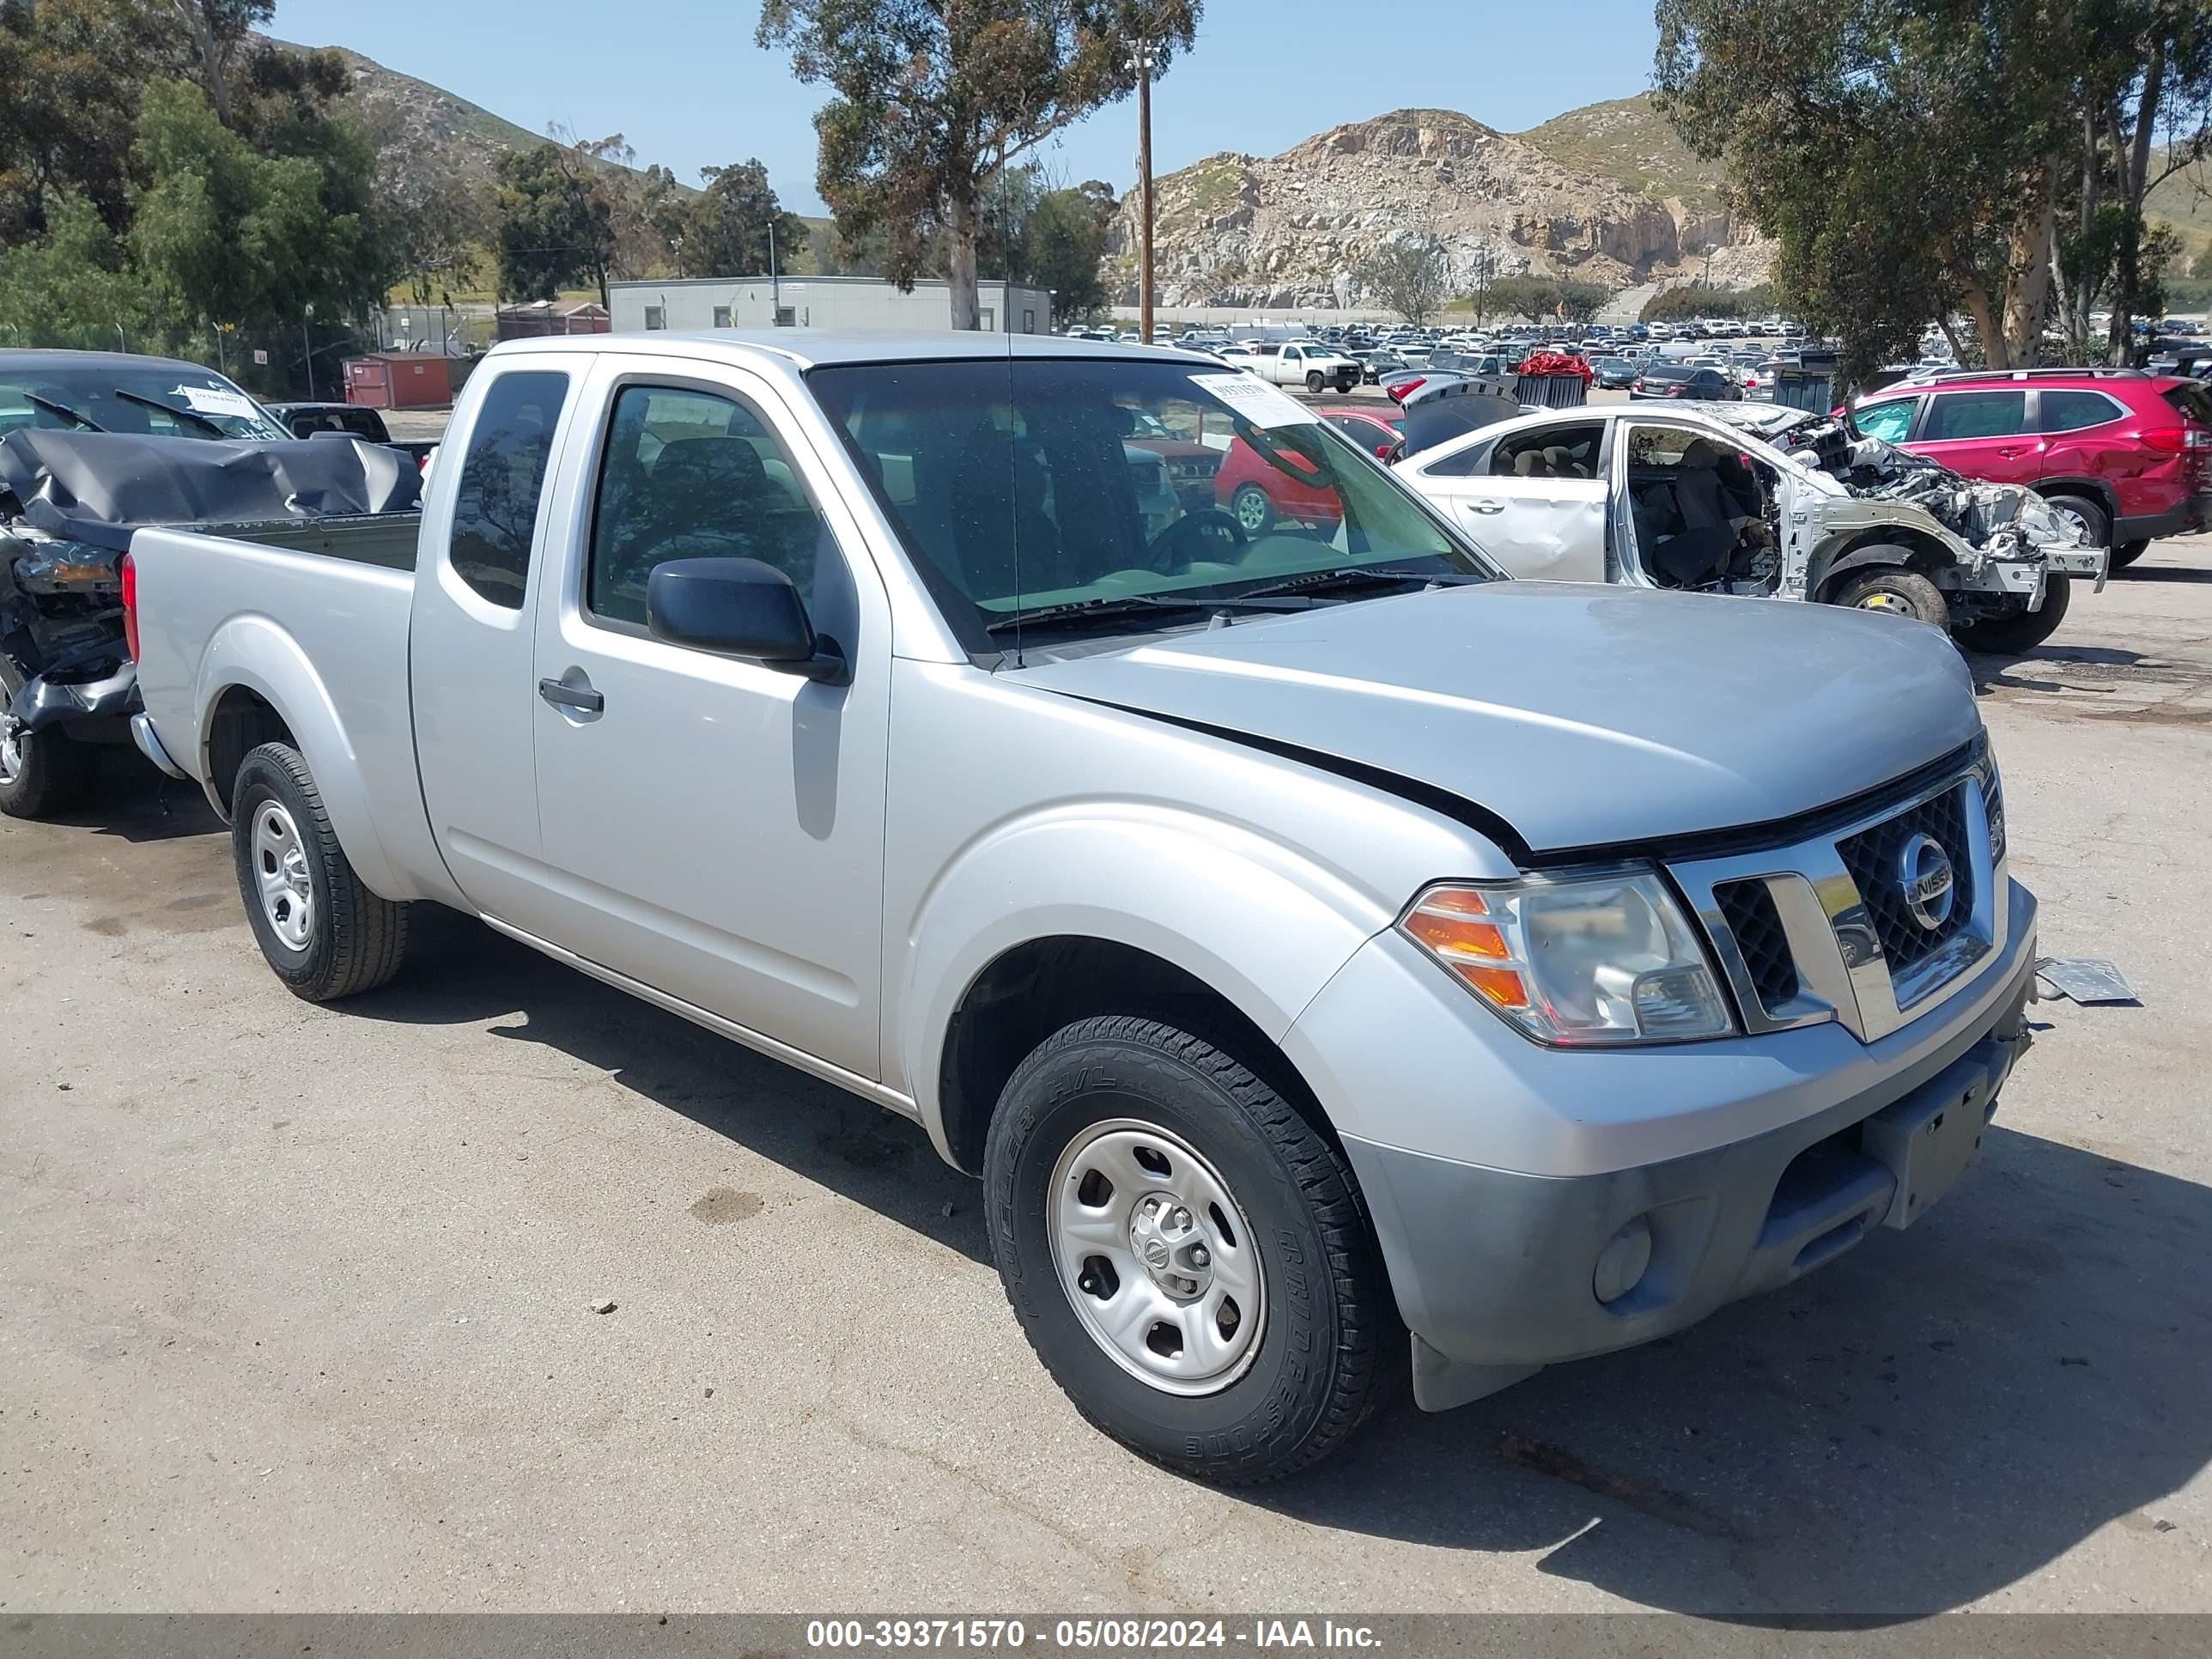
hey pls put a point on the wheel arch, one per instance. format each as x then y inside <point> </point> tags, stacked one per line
<point>2099,490</point>
<point>257,683</point>
<point>1879,546</point>
<point>1026,992</point>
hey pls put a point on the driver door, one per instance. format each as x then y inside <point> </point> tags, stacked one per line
<point>1527,505</point>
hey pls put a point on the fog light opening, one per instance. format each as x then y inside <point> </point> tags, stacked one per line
<point>1623,1262</point>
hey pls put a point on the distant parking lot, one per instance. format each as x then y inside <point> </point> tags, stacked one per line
<point>299,1298</point>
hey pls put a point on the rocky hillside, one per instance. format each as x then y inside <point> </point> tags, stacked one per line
<point>1604,194</point>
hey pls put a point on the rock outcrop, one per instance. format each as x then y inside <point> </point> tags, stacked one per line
<point>1291,231</point>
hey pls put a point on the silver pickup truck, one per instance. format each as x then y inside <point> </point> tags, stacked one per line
<point>1312,940</point>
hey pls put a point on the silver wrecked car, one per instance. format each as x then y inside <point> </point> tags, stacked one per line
<point>1766,503</point>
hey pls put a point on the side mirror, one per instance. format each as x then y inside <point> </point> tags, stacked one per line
<point>740,608</point>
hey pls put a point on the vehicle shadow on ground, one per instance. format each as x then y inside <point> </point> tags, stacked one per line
<point>1940,1414</point>
<point>459,972</point>
<point>2163,573</point>
<point>131,801</point>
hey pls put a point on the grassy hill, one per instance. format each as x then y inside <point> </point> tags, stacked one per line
<point>1629,142</point>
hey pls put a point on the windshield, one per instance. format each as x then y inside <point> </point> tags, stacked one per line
<point>116,394</point>
<point>1019,485</point>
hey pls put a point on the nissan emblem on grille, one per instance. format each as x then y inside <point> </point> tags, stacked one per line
<point>1924,870</point>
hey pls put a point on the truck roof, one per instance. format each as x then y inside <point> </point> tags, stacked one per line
<point>806,348</point>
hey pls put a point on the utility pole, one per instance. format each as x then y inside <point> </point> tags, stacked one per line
<point>775,277</point>
<point>1143,60</point>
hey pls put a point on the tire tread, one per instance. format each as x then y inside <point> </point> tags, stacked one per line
<point>1332,1194</point>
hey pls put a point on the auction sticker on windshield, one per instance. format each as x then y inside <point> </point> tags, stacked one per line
<point>1262,404</point>
<point>215,400</point>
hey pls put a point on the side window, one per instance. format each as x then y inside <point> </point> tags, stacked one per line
<point>693,475</point>
<point>1465,464</point>
<point>1975,414</point>
<point>2069,411</point>
<point>1554,452</point>
<point>496,507</point>
<point>1888,422</point>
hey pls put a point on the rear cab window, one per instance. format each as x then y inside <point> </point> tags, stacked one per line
<point>502,480</point>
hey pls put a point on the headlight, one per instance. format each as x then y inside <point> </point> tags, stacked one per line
<point>1992,780</point>
<point>1575,960</point>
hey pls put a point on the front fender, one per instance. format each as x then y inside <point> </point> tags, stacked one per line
<point>1262,924</point>
<point>256,653</point>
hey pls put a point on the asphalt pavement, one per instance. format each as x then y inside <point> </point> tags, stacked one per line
<point>299,1301</point>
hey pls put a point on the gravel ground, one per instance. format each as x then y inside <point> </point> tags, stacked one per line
<point>298,1300</point>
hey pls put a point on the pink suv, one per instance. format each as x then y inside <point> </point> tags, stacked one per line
<point>2126,455</point>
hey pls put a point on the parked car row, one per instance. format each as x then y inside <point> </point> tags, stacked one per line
<point>1098,834</point>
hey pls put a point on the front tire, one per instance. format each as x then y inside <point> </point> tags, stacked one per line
<point>1187,1255</point>
<point>322,932</point>
<point>1314,381</point>
<point>1895,591</point>
<point>2023,630</point>
<point>41,773</point>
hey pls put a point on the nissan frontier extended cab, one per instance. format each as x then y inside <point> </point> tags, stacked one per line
<point>1319,946</point>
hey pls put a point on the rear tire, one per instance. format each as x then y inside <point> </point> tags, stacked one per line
<point>2023,630</point>
<point>322,932</point>
<point>2127,553</point>
<point>1894,592</point>
<point>2095,523</point>
<point>1143,1186</point>
<point>41,773</point>
<point>1254,512</point>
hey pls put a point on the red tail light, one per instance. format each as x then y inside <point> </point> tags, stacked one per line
<point>1406,389</point>
<point>130,573</point>
<point>2175,440</point>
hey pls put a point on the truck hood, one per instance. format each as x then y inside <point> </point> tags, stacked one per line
<point>1581,716</point>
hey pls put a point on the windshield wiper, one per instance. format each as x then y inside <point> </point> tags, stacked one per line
<point>63,411</point>
<point>1361,576</point>
<point>1117,606</point>
<point>191,415</point>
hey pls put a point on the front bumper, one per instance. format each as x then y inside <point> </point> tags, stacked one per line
<point>1492,1268</point>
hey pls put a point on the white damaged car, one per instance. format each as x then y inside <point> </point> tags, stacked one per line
<point>1768,503</point>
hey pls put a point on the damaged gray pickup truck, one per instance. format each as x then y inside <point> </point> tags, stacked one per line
<point>1758,502</point>
<point>71,494</point>
<point>1318,946</point>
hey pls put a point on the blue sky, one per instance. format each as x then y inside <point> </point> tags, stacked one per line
<point>684,81</point>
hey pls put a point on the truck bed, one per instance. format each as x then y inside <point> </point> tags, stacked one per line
<point>386,540</point>
<point>323,609</point>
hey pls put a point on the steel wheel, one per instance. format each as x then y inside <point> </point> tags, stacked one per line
<point>280,867</point>
<point>1155,1257</point>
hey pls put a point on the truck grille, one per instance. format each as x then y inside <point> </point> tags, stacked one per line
<point>1749,910</point>
<point>1875,860</point>
<point>1865,912</point>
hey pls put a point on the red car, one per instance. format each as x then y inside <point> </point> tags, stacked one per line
<point>1258,495</point>
<point>1377,426</point>
<point>2125,455</point>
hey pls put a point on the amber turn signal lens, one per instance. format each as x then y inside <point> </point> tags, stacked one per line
<point>1447,921</point>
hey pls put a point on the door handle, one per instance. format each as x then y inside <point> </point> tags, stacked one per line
<point>562,694</point>
<point>1485,506</point>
